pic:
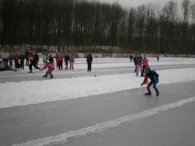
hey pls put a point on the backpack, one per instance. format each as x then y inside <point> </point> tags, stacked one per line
<point>156,75</point>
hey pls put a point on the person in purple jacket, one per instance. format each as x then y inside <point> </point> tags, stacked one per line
<point>50,67</point>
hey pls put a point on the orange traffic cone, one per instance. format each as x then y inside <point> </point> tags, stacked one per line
<point>94,74</point>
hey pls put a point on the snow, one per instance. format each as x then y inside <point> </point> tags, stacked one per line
<point>34,92</point>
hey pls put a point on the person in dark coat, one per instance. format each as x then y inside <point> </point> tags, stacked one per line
<point>36,58</point>
<point>89,61</point>
<point>66,59</point>
<point>131,58</point>
<point>135,62</point>
<point>51,59</point>
<point>26,56</point>
<point>154,79</point>
<point>157,57</point>
<point>22,57</point>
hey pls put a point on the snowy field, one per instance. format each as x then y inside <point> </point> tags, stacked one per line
<point>33,92</point>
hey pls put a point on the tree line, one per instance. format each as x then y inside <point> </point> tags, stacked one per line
<point>82,23</point>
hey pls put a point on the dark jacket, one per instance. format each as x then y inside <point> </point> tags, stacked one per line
<point>51,59</point>
<point>26,54</point>
<point>152,75</point>
<point>139,61</point>
<point>66,58</point>
<point>135,60</point>
<point>89,58</point>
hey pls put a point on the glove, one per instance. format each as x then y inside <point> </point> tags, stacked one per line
<point>142,84</point>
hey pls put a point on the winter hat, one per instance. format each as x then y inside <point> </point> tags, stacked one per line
<point>147,68</point>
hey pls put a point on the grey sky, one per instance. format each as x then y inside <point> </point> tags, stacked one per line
<point>135,3</point>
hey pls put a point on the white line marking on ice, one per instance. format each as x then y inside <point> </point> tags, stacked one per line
<point>62,138</point>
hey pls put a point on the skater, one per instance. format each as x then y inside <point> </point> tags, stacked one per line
<point>135,62</point>
<point>2,65</point>
<point>16,61</point>
<point>26,57</point>
<point>60,60</point>
<point>131,58</point>
<point>157,57</point>
<point>50,67</point>
<point>66,59</point>
<point>139,64</point>
<point>36,59</point>
<point>22,58</point>
<point>144,63</point>
<point>71,61</point>
<point>5,55</point>
<point>44,59</point>
<point>57,60</point>
<point>11,58</point>
<point>154,79</point>
<point>32,63</point>
<point>89,61</point>
<point>51,59</point>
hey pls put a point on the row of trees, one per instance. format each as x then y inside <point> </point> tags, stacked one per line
<point>146,28</point>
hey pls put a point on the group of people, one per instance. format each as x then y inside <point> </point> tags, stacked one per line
<point>8,59</point>
<point>32,60</point>
<point>142,65</point>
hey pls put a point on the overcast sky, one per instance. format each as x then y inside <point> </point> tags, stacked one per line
<point>135,3</point>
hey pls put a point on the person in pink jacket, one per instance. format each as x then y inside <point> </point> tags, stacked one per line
<point>144,64</point>
<point>50,67</point>
<point>60,60</point>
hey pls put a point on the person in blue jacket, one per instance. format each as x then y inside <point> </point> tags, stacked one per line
<point>154,79</point>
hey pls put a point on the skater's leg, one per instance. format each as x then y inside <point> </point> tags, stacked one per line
<point>143,70</point>
<point>30,67</point>
<point>135,68</point>
<point>45,74</point>
<point>71,65</point>
<point>154,86</point>
<point>60,64</point>
<point>137,71</point>
<point>35,66</point>
<point>50,72</point>
<point>148,87</point>
<point>89,66</point>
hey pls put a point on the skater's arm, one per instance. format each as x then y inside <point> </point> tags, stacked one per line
<point>145,79</point>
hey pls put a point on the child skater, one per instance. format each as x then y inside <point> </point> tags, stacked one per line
<point>154,79</point>
<point>50,67</point>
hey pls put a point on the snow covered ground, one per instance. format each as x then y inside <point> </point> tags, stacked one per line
<point>34,92</point>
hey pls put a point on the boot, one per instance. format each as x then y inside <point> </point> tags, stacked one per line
<point>137,74</point>
<point>157,94</point>
<point>45,76</point>
<point>148,94</point>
